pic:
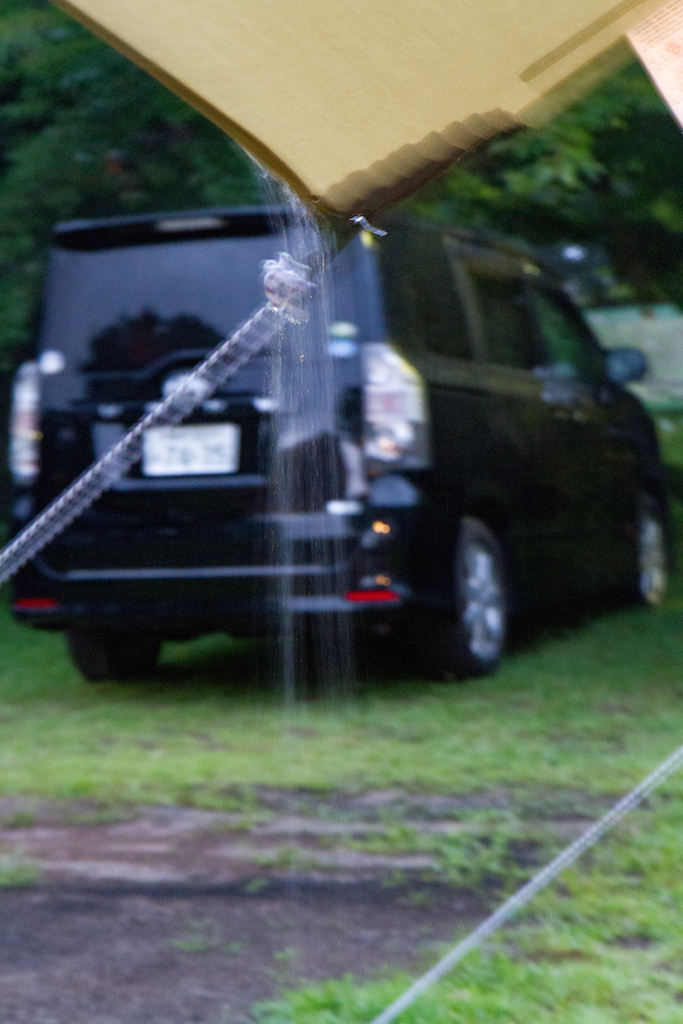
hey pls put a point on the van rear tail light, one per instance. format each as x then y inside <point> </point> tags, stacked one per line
<point>25,436</point>
<point>33,604</point>
<point>394,409</point>
<point>371,596</point>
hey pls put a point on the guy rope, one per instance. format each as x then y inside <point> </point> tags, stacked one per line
<point>288,286</point>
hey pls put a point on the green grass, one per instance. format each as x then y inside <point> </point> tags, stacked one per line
<point>16,872</point>
<point>575,717</point>
<point>591,709</point>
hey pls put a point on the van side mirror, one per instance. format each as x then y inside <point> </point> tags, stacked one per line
<point>625,364</point>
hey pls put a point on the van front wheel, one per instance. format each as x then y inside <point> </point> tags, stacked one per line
<point>652,559</point>
<point>100,655</point>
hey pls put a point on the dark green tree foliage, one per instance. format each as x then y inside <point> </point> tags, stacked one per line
<point>608,172</point>
<point>85,133</point>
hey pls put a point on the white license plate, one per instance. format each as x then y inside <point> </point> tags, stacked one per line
<point>191,451</point>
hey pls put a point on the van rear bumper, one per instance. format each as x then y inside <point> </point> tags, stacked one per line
<point>319,564</point>
<point>188,618</point>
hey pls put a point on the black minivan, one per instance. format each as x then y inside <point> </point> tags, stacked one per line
<point>455,447</point>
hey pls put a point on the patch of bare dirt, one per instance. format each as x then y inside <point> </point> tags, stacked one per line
<point>170,915</point>
<point>104,955</point>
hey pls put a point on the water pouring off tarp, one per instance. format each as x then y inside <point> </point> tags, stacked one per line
<point>355,104</point>
<point>315,651</point>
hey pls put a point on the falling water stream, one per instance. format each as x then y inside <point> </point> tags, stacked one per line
<point>315,652</point>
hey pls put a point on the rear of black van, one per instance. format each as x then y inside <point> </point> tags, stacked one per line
<point>199,535</point>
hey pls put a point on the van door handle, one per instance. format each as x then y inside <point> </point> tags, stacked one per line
<point>576,415</point>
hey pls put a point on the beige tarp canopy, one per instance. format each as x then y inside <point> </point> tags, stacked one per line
<point>356,102</point>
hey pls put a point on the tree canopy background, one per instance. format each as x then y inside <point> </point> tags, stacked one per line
<point>85,133</point>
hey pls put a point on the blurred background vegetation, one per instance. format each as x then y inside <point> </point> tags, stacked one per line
<point>85,133</point>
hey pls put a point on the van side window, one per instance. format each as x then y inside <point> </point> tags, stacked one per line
<point>571,350</point>
<point>423,305</point>
<point>505,319</point>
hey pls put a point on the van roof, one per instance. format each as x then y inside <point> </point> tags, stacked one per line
<point>218,222</point>
<point>246,221</point>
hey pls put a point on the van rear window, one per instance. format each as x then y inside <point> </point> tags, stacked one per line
<point>123,308</point>
<point>111,310</point>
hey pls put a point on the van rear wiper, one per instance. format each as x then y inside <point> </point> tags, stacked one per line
<point>139,376</point>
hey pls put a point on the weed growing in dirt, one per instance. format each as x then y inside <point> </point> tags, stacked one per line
<point>290,858</point>
<point>16,872</point>
<point>254,885</point>
<point>204,937</point>
<point>18,819</point>
<point>233,948</point>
